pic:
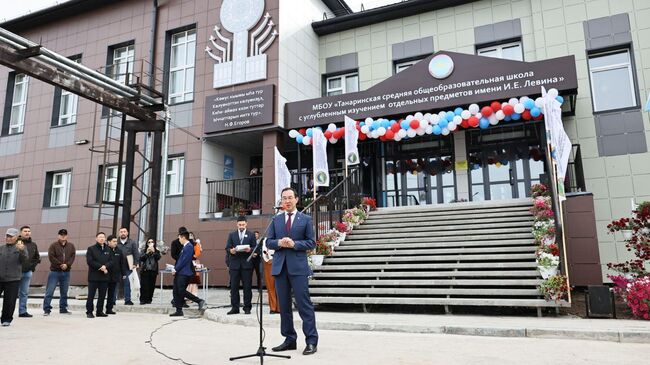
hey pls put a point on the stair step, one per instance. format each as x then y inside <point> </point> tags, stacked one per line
<point>426,227</point>
<point>430,274</point>
<point>400,223</point>
<point>505,212</point>
<point>507,257</point>
<point>528,236</point>
<point>460,206</point>
<point>425,291</point>
<point>439,282</point>
<point>442,301</point>
<point>402,252</point>
<point>411,234</point>
<point>437,266</point>
<point>362,245</point>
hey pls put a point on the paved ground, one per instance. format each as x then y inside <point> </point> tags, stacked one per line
<point>123,339</point>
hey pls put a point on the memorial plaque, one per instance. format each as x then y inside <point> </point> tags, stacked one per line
<point>238,109</point>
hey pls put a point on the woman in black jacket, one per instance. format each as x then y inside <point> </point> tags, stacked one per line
<point>148,271</point>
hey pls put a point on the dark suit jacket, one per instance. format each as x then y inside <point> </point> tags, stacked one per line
<point>302,233</point>
<point>238,260</point>
<point>96,257</point>
<point>120,265</point>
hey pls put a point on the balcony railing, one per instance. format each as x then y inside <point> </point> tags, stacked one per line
<point>574,181</point>
<point>234,197</point>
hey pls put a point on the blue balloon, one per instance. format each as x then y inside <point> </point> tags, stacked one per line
<point>535,112</point>
<point>484,123</point>
<point>560,99</point>
<point>405,125</point>
<point>299,138</point>
<point>362,124</point>
<point>437,130</point>
<point>310,132</point>
<point>450,116</point>
<point>507,118</point>
<point>516,116</point>
<point>529,104</point>
<point>443,123</point>
<point>458,110</point>
<point>385,123</point>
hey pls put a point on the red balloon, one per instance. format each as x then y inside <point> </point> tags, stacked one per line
<point>496,106</point>
<point>328,134</point>
<point>389,134</point>
<point>526,115</point>
<point>473,121</point>
<point>486,111</point>
<point>382,138</point>
<point>362,136</point>
<point>415,124</point>
<point>508,109</point>
<point>539,117</point>
<point>302,131</point>
<point>464,123</point>
<point>395,128</point>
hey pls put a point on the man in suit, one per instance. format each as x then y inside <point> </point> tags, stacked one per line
<point>183,272</point>
<point>100,262</point>
<point>239,268</point>
<point>291,235</point>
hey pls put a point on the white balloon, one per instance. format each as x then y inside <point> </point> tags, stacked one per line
<point>442,115</point>
<point>397,138</point>
<point>420,131</point>
<point>435,119</point>
<point>409,118</point>
<point>381,131</point>
<point>458,119</point>
<point>523,99</point>
<point>513,101</point>
<point>473,109</point>
<point>478,116</point>
<point>331,127</point>
<point>423,123</point>
<point>365,129</point>
<point>500,115</point>
<point>539,102</point>
<point>452,126</point>
<point>333,140</point>
<point>306,140</point>
<point>418,116</point>
<point>428,117</point>
<point>445,131</point>
<point>493,120</point>
<point>368,120</point>
<point>401,133</point>
<point>519,108</point>
<point>411,132</point>
<point>293,133</point>
<point>465,114</point>
<point>429,129</point>
<point>374,134</point>
<point>553,93</point>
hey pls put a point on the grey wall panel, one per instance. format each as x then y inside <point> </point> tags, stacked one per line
<point>10,145</point>
<point>54,215</point>
<point>607,31</point>
<point>497,32</point>
<point>412,49</point>
<point>620,133</point>
<point>174,205</point>
<point>62,136</point>
<point>7,218</point>
<point>346,62</point>
<point>181,115</point>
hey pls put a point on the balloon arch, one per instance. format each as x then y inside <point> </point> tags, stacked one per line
<point>442,123</point>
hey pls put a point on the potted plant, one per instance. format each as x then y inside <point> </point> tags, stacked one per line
<point>537,190</point>
<point>369,204</point>
<point>238,209</point>
<point>219,212</point>
<point>624,225</point>
<point>554,288</point>
<point>544,232</point>
<point>343,229</point>
<point>322,249</point>
<point>547,264</point>
<point>256,208</point>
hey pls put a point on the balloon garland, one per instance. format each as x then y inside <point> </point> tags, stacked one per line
<point>441,123</point>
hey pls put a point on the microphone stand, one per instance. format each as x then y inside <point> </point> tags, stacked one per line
<point>261,350</point>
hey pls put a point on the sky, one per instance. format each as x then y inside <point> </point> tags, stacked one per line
<point>14,9</point>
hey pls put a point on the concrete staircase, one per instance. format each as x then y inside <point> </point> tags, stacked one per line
<point>462,254</point>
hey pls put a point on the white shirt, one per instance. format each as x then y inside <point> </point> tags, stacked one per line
<point>293,216</point>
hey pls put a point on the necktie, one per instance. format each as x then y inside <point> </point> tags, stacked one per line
<point>289,223</point>
<point>241,236</point>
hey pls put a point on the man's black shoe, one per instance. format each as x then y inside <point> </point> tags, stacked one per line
<point>110,312</point>
<point>201,305</point>
<point>64,311</point>
<point>128,302</point>
<point>89,315</point>
<point>285,346</point>
<point>233,311</point>
<point>25,315</point>
<point>176,314</point>
<point>309,350</point>
<point>101,314</point>
<point>185,305</point>
<point>247,311</point>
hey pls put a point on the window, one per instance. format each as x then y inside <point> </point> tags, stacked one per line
<point>612,80</point>
<point>8,197</point>
<point>181,66</point>
<point>342,84</point>
<point>401,66</point>
<point>60,188</point>
<point>123,58</point>
<point>175,174</point>
<point>18,104</point>
<point>508,51</point>
<point>67,105</point>
<point>110,183</point>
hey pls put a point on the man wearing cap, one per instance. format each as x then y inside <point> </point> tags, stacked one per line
<point>28,269</point>
<point>61,255</point>
<point>239,267</point>
<point>13,256</point>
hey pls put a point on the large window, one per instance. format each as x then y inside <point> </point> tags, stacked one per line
<point>612,80</point>
<point>181,66</point>
<point>175,174</point>
<point>19,104</point>
<point>342,84</point>
<point>59,188</point>
<point>123,58</point>
<point>508,51</point>
<point>68,105</point>
<point>8,197</point>
<point>110,183</point>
